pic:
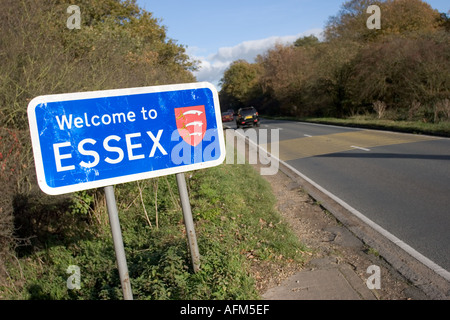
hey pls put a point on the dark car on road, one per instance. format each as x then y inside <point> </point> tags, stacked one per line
<point>247,117</point>
<point>227,116</point>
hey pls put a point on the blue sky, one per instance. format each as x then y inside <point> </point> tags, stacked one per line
<point>220,32</point>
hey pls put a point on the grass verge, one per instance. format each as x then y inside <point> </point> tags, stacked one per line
<point>416,127</point>
<point>236,225</point>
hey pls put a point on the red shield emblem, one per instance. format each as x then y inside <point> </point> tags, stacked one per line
<point>191,124</point>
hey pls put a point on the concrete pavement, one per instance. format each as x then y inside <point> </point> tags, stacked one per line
<point>329,282</point>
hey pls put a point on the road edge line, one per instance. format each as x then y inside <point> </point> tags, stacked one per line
<point>434,267</point>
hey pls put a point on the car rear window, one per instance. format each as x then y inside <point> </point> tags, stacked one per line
<point>246,112</point>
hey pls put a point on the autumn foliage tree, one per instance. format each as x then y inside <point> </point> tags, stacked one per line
<point>118,45</point>
<point>403,65</point>
<point>239,84</point>
<point>401,70</point>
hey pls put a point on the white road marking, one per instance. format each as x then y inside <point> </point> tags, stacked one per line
<point>360,148</point>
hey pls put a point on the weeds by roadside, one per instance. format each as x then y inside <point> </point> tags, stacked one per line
<point>236,224</point>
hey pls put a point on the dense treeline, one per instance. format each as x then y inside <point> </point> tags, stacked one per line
<point>400,72</point>
<point>118,45</point>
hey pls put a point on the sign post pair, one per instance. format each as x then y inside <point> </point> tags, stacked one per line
<point>102,138</point>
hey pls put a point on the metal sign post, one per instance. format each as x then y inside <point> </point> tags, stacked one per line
<point>118,243</point>
<point>188,221</point>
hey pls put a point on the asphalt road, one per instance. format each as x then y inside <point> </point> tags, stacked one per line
<point>399,181</point>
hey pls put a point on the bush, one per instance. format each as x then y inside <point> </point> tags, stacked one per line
<point>40,55</point>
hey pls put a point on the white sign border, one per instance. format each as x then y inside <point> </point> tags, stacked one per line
<point>114,93</point>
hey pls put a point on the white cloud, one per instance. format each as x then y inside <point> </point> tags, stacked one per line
<point>212,67</point>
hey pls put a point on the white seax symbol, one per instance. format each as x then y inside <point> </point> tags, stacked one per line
<point>197,112</point>
<point>195,123</point>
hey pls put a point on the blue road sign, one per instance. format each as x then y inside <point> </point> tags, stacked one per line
<point>95,139</point>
